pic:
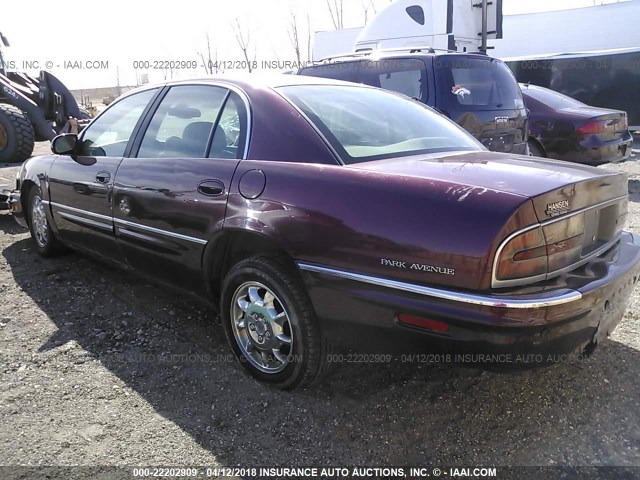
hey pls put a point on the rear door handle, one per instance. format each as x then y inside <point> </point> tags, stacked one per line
<point>103,177</point>
<point>211,188</point>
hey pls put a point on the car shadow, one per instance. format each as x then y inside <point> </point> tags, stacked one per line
<point>173,354</point>
<point>9,226</point>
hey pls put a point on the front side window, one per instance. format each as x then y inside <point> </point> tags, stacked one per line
<point>109,134</point>
<point>364,124</point>
<point>183,123</point>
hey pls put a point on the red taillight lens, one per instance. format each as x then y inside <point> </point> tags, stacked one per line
<point>523,256</point>
<point>592,127</point>
<point>426,323</point>
<point>542,250</point>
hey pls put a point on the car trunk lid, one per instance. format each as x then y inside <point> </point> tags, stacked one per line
<point>557,191</point>
<point>536,178</point>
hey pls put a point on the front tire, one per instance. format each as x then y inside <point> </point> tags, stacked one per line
<point>16,135</point>
<point>270,324</point>
<point>45,242</point>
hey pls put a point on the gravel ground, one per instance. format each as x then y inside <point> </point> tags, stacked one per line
<point>99,368</point>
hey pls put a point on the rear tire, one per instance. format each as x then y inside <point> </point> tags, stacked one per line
<point>271,326</point>
<point>535,150</point>
<point>16,135</point>
<point>45,242</point>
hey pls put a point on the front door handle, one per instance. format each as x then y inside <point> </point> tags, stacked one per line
<point>211,188</point>
<point>103,177</point>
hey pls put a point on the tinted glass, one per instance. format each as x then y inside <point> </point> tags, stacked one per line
<point>183,123</point>
<point>477,84</point>
<point>407,76</point>
<point>551,99</point>
<point>109,134</point>
<point>369,124</point>
<point>231,133</point>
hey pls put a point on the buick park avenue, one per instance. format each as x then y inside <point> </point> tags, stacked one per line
<point>313,212</point>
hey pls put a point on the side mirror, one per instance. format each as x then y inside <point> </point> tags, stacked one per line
<point>65,144</point>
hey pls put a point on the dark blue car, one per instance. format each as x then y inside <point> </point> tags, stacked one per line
<point>563,128</point>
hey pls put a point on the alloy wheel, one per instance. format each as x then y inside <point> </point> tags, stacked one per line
<point>261,327</point>
<point>39,222</point>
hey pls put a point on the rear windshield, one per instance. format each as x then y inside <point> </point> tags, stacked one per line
<point>364,124</point>
<point>470,83</point>
<point>551,99</point>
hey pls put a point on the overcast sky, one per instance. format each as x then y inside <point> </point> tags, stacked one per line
<point>122,32</point>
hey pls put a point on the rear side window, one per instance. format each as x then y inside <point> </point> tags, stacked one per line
<point>183,123</point>
<point>231,133</point>
<point>477,84</point>
<point>406,76</point>
<point>403,75</point>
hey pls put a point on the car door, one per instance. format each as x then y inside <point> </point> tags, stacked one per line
<point>170,197</point>
<point>80,186</point>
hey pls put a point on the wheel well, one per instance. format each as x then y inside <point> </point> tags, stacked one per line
<point>538,144</point>
<point>25,188</point>
<point>233,246</point>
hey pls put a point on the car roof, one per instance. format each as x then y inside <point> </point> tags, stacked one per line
<point>248,81</point>
<point>268,80</point>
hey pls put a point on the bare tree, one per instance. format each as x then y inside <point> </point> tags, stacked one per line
<point>337,13</point>
<point>244,42</point>
<point>308,38</point>
<point>297,38</point>
<point>294,36</point>
<point>210,63</point>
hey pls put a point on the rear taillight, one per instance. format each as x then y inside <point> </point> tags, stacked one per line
<point>523,256</point>
<point>541,250</point>
<point>593,127</point>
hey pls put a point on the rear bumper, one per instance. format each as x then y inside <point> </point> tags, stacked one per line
<point>593,151</point>
<point>500,147</point>
<point>583,308</point>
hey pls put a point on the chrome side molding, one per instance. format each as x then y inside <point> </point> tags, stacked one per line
<point>541,301</point>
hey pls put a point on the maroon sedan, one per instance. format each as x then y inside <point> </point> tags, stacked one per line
<point>564,128</point>
<point>313,212</point>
